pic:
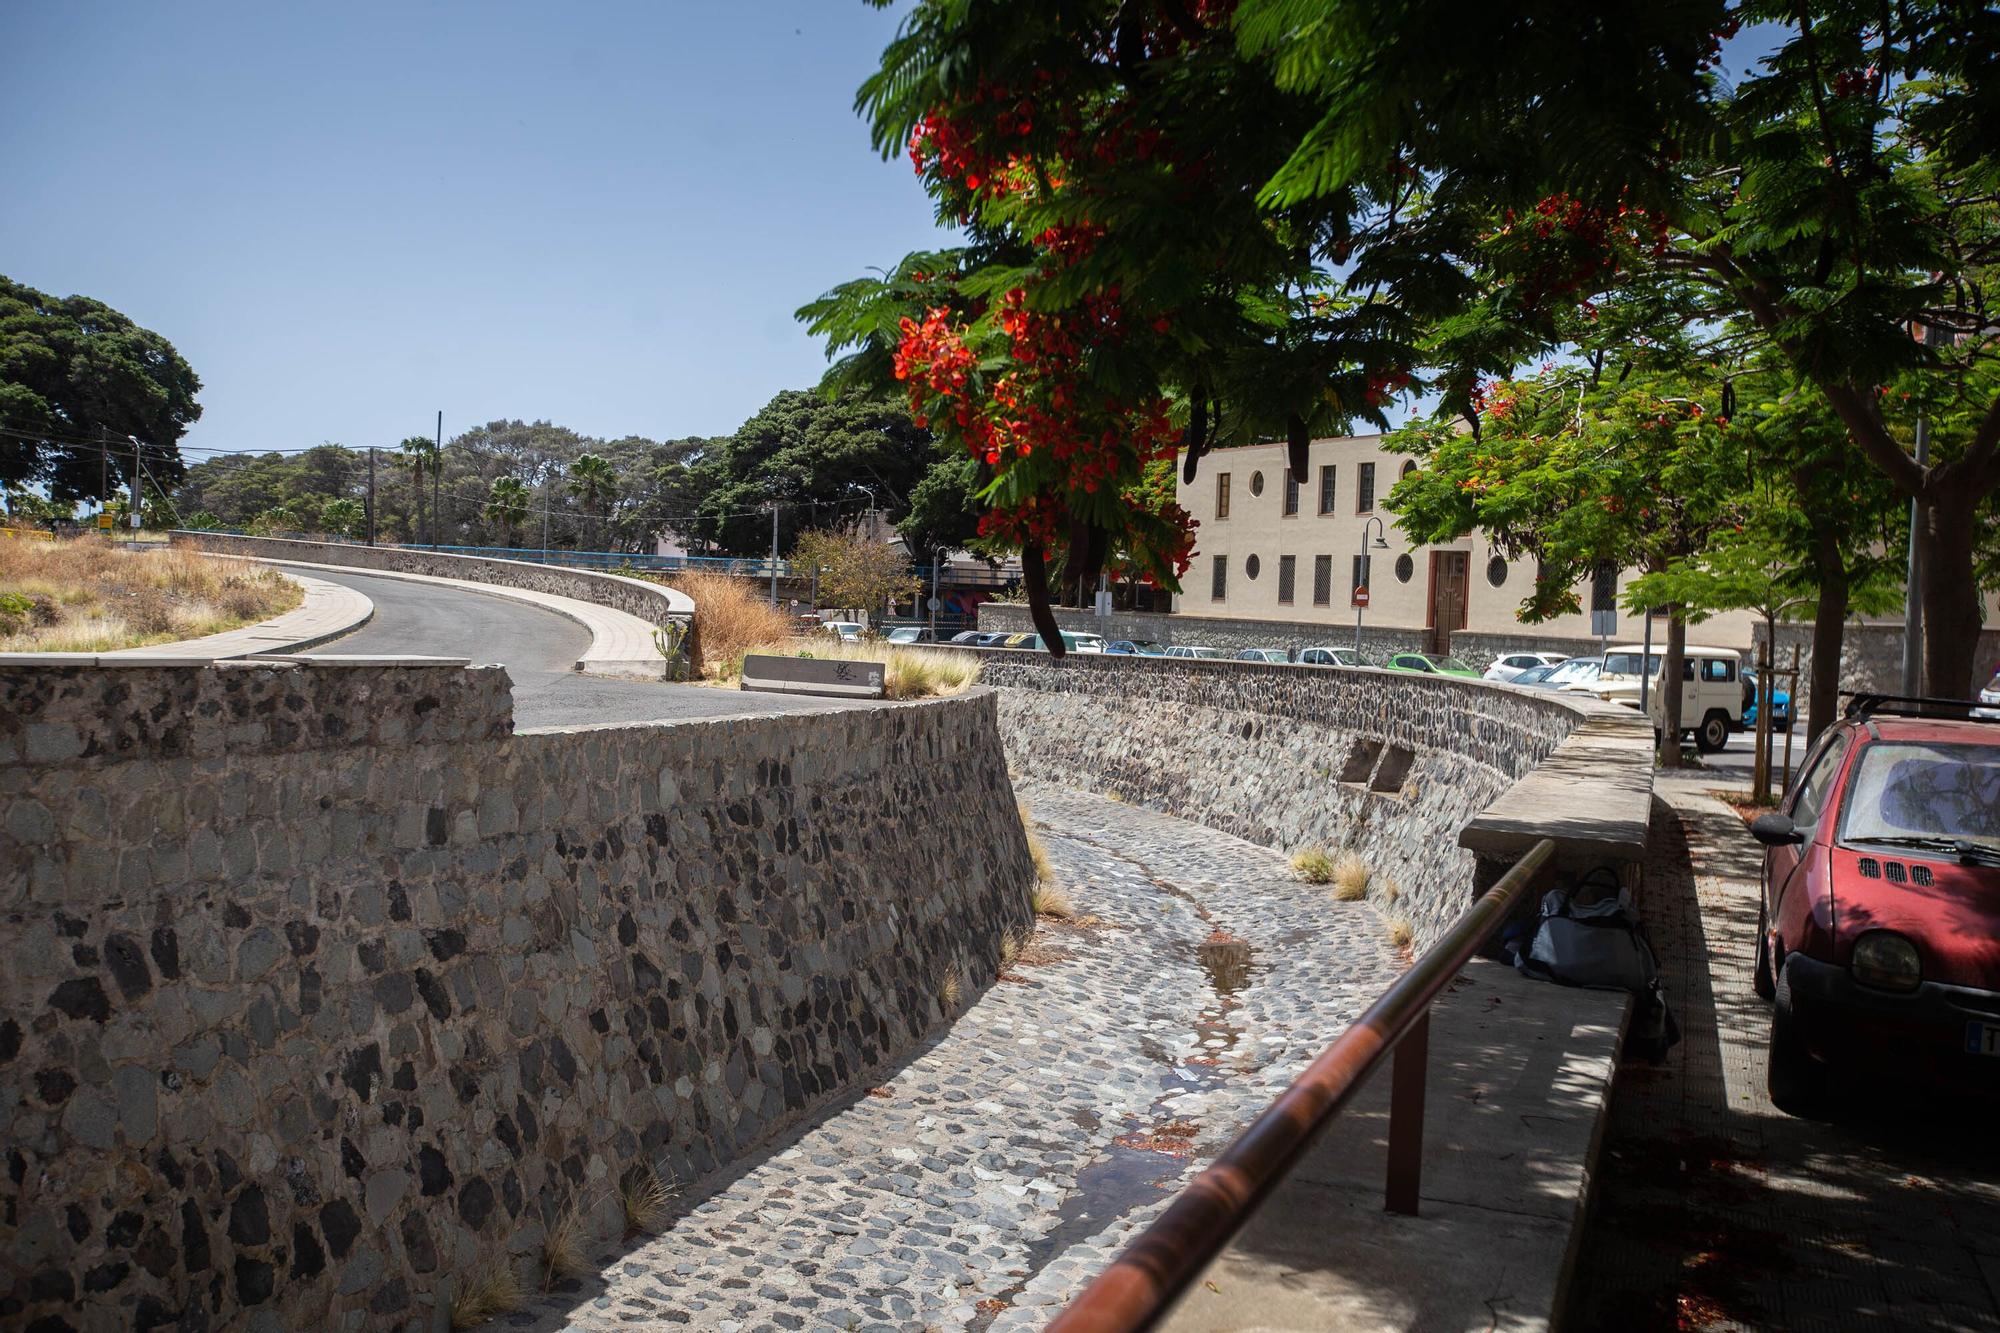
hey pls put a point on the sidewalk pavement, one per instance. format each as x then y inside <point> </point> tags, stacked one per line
<point>1714,1210</point>
<point>1519,1074</point>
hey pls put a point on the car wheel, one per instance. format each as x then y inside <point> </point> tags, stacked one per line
<point>1713,734</point>
<point>1760,974</point>
<point>1797,1082</point>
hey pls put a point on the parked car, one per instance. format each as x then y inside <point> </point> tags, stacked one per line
<point>1194,650</point>
<point>1330,657</point>
<point>1430,664</point>
<point>1136,648</point>
<point>1263,655</point>
<point>1880,906</point>
<point>1781,704</point>
<point>1990,696</point>
<point>1508,666</point>
<point>911,634</point>
<point>848,630</point>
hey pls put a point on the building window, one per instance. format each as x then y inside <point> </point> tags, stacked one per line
<point>1496,571</point>
<point>1364,494</point>
<point>1291,495</point>
<point>1361,563</point>
<point>1252,567</point>
<point>1288,573</point>
<point>1218,579</point>
<point>1221,497</point>
<point>1256,483</point>
<point>1406,568</point>
<point>1322,580</point>
<point>1326,489</point>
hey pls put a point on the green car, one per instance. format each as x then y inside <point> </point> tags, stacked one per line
<point>1430,664</point>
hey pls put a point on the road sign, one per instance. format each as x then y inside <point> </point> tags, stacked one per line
<point>935,604</point>
<point>1361,595</point>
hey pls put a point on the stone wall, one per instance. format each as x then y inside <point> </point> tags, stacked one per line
<point>326,992</point>
<point>654,603</point>
<point>1260,751</point>
<point>1210,631</point>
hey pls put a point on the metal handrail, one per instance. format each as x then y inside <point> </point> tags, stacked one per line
<point>1143,1283</point>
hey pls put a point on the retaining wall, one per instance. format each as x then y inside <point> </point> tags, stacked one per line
<point>1392,766</point>
<point>654,603</point>
<point>325,991</point>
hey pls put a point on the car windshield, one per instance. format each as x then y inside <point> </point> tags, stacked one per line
<point>1938,789</point>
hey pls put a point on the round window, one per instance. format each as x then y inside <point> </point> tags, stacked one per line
<point>1406,568</point>
<point>1496,571</point>
<point>1256,483</point>
<point>1252,565</point>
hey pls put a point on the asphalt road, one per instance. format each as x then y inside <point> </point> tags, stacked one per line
<point>538,648</point>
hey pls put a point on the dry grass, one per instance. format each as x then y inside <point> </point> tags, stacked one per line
<point>1350,878</point>
<point>1401,932</point>
<point>486,1296</point>
<point>88,596</point>
<point>646,1198</point>
<point>563,1253</point>
<point>1313,865</point>
<point>732,617</point>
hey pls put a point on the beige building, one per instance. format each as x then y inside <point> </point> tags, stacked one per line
<point>1273,547</point>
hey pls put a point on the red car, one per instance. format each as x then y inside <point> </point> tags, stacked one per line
<point>1879,925</point>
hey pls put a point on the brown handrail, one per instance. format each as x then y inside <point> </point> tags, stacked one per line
<point>1143,1283</point>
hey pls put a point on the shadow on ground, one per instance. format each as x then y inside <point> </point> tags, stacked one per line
<point>1714,1210</point>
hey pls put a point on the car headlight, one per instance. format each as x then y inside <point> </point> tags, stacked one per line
<point>1886,960</point>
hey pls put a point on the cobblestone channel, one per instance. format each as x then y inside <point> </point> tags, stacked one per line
<point>989,1177</point>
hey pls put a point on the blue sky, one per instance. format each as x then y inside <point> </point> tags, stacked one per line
<point>349,216</point>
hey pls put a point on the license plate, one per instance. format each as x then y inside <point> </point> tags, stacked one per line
<point>1982,1038</point>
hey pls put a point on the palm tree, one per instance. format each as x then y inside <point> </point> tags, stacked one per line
<point>507,505</point>
<point>420,457</point>
<point>594,483</point>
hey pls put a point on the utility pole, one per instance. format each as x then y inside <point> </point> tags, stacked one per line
<point>437,479</point>
<point>371,495</point>
<point>1913,597</point>
<point>774,553</point>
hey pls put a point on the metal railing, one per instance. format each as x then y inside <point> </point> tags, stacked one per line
<point>1143,1283</point>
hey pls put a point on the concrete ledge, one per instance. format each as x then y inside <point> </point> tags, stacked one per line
<point>1520,1076</point>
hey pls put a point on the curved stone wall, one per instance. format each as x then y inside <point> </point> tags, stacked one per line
<point>326,991</point>
<point>654,603</point>
<point>1390,765</point>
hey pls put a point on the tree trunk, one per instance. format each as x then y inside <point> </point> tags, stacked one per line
<point>1670,689</point>
<point>1035,577</point>
<point>1951,596</point>
<point>1829,636</point>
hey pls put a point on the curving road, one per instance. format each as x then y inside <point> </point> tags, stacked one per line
<point>538,648</point>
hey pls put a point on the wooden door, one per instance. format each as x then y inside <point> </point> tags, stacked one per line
<point>1449,573</point>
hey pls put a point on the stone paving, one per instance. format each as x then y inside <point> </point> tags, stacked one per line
<point>983,1183</point>
<point>1715,1210</point>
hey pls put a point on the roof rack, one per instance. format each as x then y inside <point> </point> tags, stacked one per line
<point>1864,704</point>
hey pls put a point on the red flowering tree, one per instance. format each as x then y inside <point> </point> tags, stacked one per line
<point>1122,296</point>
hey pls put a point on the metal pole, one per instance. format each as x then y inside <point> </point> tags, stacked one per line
<point>371,495</point>
<point>437,479</point>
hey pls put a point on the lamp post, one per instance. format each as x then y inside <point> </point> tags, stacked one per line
<point>1360,600</point>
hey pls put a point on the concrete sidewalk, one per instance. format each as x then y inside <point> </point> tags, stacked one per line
<point>1519,1075</point>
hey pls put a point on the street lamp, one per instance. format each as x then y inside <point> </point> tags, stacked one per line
<point>1360,601</point>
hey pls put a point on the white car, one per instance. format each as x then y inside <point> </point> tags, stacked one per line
<point>1509,665</point>
<point>1194,650</point>
<point>1330,657</point>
